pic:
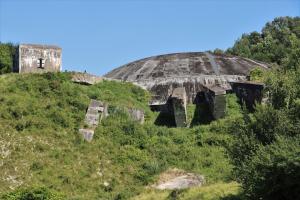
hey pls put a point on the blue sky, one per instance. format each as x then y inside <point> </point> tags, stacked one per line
<point>98,36</point>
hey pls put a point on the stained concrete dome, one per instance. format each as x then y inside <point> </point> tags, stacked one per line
<point>160,74</point>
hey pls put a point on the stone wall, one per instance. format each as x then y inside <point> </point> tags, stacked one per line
<point>32,58</point>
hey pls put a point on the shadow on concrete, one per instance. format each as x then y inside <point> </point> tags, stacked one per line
<point>202,114</point>
<point>166,115</point>
<point>165,119</point>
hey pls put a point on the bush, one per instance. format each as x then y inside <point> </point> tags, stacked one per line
<point>39,193</point>
<point>7,53</point>
<point>265,154</point>
<point>257,74</point>
<point>268,122</point>
<point>274,171</point>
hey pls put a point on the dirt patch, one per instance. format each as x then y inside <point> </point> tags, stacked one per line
<point>178,179</point>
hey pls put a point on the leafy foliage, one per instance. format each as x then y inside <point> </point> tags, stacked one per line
<point>257,74</point>
<point>7,54</point>
<point>283,87</point>
<point>33,194</point>
<point>279,42</point>
<point>265,151</point>
<point>274,171</point>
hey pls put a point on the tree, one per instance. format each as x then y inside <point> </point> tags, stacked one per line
<point>7,53</point>
<point>277,43</point>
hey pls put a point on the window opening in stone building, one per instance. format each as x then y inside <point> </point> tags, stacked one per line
<point>41,63</point>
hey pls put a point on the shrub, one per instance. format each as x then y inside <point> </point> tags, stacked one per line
<point>257,74</point>
<point>7,53</point>
<point>265,154</point>
<point>38,193</point>
<point>274,171</point>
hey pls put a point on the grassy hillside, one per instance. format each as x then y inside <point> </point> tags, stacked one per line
<point>40,146</point>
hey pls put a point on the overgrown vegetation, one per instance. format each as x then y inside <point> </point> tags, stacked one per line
<point>37,193</point>
<point>265,151</point>
<point>266,147</point>
<point>39,119</point>
<point>39,142</point>
<point>7,54</point>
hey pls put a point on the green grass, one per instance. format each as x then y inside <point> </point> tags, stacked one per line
<point>40,146</point>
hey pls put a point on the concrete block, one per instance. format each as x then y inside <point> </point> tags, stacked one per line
<point>95,112</point>
<point>216,99</point>
<point>87,134</point>
<point>179,101</point>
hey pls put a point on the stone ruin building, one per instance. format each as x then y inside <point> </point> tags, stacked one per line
<point>175,80</point>
<point>35,58</point>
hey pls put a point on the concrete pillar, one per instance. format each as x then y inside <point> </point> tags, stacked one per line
<point>178,100</point>
<point>216,99</point>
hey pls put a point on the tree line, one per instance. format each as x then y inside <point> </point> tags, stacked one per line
<point>266,147</point>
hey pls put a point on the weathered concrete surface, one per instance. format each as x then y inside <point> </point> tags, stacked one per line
<point>95,112</point>
<point>216,99</point>
<point>34,58</point>
<point>178,100</point>
<point>137,115</point>
<point>178,179</point>
<point>193,71</point>
<point>161,89</point>
<point>249,93</point>
<point>86,79</point>
<point>87,134</point>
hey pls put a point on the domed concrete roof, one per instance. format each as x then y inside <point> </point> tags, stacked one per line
<point>194,71</point>
<point>183,65</point>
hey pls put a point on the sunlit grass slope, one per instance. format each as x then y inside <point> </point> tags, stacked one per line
<point>40,146</point>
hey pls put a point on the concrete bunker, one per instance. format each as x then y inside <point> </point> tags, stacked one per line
<point>205,77</point>
<point>35,58</point>
<point>210,103</point>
